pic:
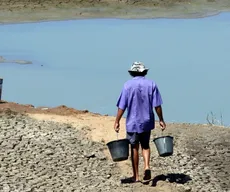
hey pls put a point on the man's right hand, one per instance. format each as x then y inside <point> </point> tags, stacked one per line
<point>163,125</point>
<point>117,126</point>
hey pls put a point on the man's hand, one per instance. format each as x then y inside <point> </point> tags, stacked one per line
<point>117,126</point>
<point>163,125</point>
<point>160,115</point>
<point>118,118</point>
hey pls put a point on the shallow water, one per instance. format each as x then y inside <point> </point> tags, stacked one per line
<point>85,63</point>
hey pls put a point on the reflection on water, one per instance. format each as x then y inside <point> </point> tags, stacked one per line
<point>84,63</point>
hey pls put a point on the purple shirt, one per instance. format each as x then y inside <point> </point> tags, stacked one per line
<point>139,95</point>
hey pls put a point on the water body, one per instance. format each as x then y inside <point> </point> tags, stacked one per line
<point>84,63</point>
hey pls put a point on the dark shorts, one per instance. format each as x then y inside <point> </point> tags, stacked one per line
<point>142,138</point>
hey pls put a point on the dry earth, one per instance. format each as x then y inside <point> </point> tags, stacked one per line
<point>63,149</point>
<point>14,11</point>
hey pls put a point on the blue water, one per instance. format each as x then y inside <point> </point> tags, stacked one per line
<point>85,63</point>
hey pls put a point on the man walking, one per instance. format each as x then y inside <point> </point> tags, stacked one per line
<point>139,96</point>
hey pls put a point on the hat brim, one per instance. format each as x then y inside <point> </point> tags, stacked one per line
<point>138,71</point>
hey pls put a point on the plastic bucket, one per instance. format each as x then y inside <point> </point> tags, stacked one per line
<point>164,145</point>
<point>119,149</point>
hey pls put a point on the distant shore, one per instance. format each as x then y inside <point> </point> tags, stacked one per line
<point>21,62</point>
<point>50,10</point>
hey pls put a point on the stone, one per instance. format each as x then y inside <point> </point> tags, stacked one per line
<point>188,188</point>
<point>6,188</point>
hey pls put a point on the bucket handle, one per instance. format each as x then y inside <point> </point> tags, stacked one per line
<point>164,138</point>
<point>160,134</point>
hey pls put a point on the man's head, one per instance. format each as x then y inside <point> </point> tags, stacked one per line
<point>138,69</point>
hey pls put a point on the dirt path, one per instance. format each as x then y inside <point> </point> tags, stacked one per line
<point>100,129</point>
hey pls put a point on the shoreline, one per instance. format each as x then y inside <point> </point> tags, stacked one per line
<point>111,18</point>
<point>20,13</point>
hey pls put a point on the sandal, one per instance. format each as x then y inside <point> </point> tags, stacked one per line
<point>147,174</point>
<point>129,180</point>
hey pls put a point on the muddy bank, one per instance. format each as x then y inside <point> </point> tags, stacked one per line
<point>31,11</point>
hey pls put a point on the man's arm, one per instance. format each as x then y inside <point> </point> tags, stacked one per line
<point>160,116</point>
<point>159,112</point>
<point>121,105</point>
<point>120,112</point>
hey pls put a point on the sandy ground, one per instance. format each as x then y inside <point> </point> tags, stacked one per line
<point>98,128</point>
<point>199,151</point>
<point>15,11</point>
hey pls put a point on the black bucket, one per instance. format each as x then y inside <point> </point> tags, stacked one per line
<point>164,145</point>
<point>119,149</point>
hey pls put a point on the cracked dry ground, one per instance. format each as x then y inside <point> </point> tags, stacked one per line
<point>46,154</point>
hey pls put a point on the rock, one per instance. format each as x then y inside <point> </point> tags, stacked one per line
<point>187,189</point>
<point>6,188</point>
<point>90,155</point>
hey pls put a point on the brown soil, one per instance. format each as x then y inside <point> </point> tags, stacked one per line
<point>60,110</point>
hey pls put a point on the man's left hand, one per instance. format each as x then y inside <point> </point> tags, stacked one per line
<point>117,126</point>
<point>163,125</point>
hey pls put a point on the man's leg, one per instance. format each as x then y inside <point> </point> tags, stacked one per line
<point>134,142</point>
<point>144,140</point>
<point>135,160</point>
<point>146,156</point>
